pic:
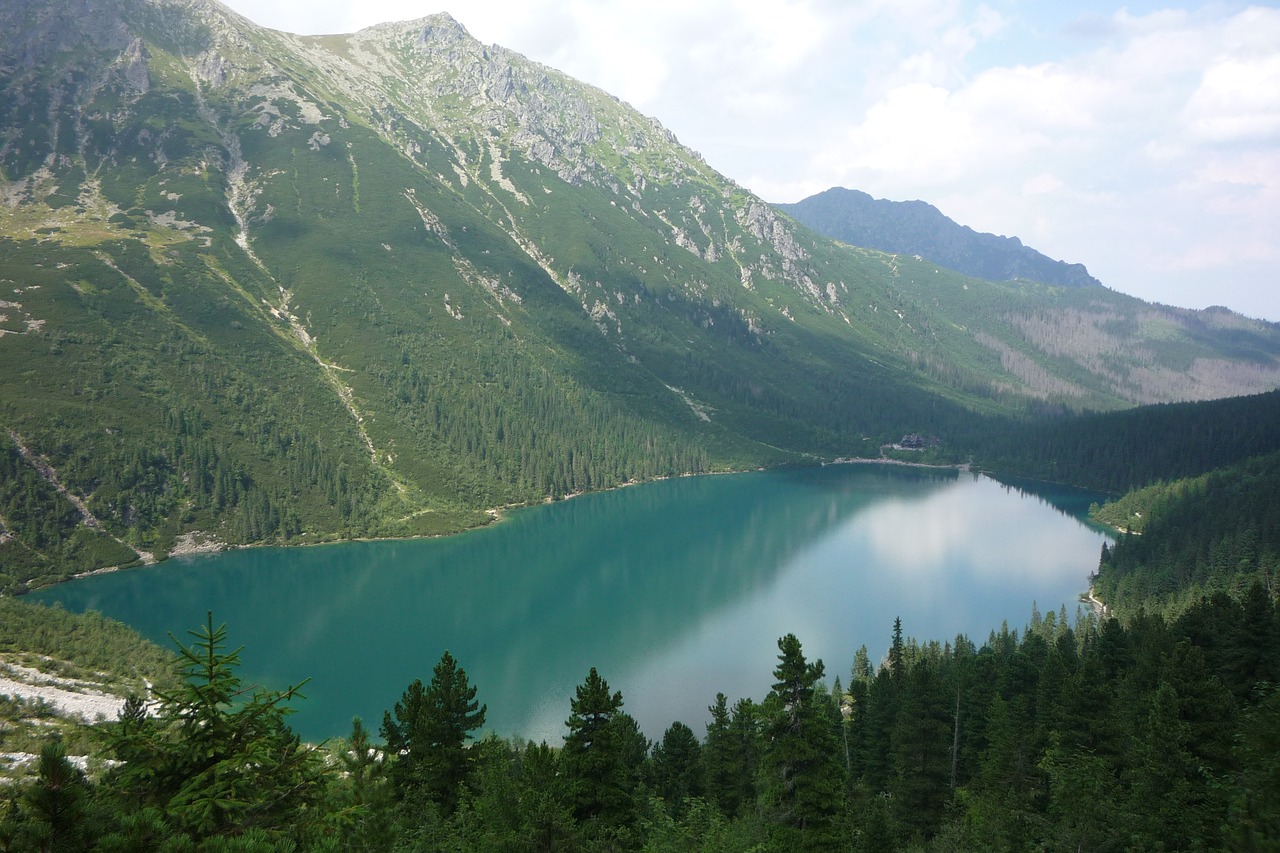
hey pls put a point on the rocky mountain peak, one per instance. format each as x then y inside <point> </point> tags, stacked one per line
<point>441,30</point>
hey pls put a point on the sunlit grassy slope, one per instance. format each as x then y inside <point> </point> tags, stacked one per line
<point>263,288</point>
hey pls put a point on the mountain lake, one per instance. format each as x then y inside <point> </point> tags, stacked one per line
<point>673,590</point>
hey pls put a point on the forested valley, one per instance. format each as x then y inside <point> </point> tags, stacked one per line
<point>266,289</point>
<point>1153,727</point>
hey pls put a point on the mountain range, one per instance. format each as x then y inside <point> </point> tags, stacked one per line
<point>261,287</point>
<point>919,228</point>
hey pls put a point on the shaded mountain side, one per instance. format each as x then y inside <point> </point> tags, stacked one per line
<point>918,228</point>
<point>1121,451</point>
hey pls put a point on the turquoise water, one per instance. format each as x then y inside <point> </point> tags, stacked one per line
<point>674,590</point>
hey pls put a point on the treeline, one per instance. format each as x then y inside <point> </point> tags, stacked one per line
<point>1216,533</point>
<point>237,466</point>
<point>1155,734</point>
<point>1119,451</point>
<point>160,426</point>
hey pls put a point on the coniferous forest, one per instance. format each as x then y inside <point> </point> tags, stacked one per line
<point>1136,731</point>
<point>1150,723</point>
<point>267,289</point>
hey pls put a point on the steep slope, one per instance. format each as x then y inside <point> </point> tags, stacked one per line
<point>1052,325</point>
<point>266,287</point>
<point>918,228</point>
<point>263,287</point>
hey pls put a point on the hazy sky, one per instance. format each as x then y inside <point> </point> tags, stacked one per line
<point>1140,140</point>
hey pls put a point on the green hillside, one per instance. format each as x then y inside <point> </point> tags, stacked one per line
<point>1191,538</point>
<point>257,287</point>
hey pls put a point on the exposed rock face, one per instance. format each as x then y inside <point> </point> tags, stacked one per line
<point>132,67</point>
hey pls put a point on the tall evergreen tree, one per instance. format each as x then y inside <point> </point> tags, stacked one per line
<point>803,766</point>
<point>920,752</point>
<point>718,755</point>
<point>429,734</point>
<point>897,663</point>
<point>862,670</point>
<point>677,767</point>
<point>873,730</point>
<point>596,753</point>
<point>855,730</point>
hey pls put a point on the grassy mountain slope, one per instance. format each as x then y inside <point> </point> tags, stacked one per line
<point>1049,324</point>
<point>260,287</point>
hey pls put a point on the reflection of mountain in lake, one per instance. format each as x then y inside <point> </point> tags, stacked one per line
<point>1067,500</point>
<point>527,606</point>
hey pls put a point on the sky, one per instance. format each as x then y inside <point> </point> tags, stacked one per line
<point>1142,140</point>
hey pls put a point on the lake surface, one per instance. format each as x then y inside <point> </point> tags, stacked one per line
<point>674,590</point>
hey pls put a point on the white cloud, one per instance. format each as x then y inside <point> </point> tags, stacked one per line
<point>1109,156</point>
<point>1237,101</point>
<point>1042,183</point>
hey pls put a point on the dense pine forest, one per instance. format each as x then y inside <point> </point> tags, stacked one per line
<point>1153,727</point>
<point>1194,537</point>
<point>1121,451</point>
<point>1145,733</point>
<point>1151,724</point>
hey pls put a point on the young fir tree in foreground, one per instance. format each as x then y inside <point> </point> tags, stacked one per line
<point>803,775</point>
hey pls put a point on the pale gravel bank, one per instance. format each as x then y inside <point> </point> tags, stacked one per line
<point>67,696</point>
<point>89,706</point>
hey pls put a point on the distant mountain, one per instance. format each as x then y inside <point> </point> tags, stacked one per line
<point>260,287</point>
<point>917,228</point>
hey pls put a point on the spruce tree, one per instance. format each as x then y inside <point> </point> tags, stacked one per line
<point>920,751</point>
<point>718,758</point>
<point>804,771</point>
<point>214,761</point>
<point>361,794</point>
<point>545,806</point>
<point>53,811</point>
<point>677,767</point>
<point>430,732</point>
<point>597,755</point>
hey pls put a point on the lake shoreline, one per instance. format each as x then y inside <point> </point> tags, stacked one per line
<point>674,593</point>
<point>867,460</point>
<point>195,543</point>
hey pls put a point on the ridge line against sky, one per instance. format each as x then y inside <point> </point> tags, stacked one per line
<point>1141,140</point>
